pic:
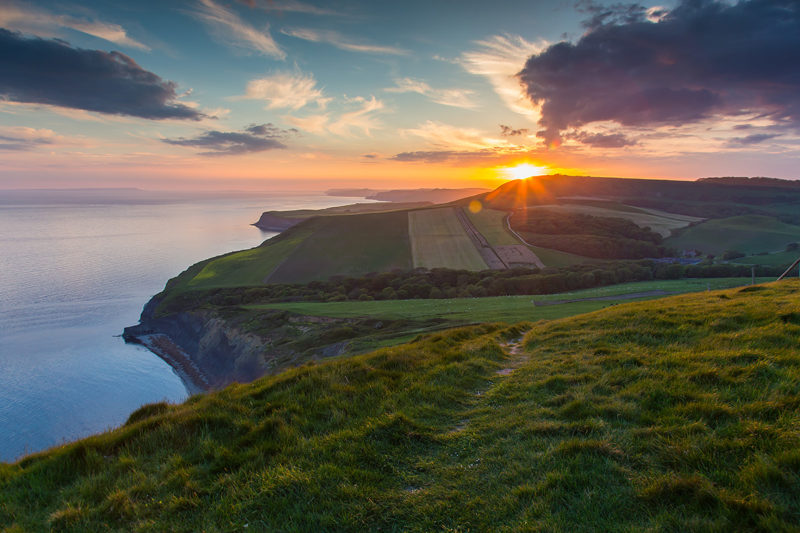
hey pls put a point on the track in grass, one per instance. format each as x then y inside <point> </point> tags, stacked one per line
<point>438,240</point>
<point>660,222</point>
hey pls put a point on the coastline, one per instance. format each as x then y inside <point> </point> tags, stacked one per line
<point>165,348</point>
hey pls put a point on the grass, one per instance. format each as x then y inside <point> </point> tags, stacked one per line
<point>348,245</point>
<point>438,240</point>
<point>557,258</point>
<point>750,234</point>
<point>658,221</point>
<point>492,225</point>
<point>249,267</point>
<point>780,259</point>
<point>508,309</point>
<point>674,415</point>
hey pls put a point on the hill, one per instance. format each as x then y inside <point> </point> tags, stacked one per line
<point>679,414</point>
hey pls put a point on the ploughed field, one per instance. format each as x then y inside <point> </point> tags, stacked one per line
<point>676,414</point>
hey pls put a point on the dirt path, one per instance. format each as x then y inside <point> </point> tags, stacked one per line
<point>518,236</point>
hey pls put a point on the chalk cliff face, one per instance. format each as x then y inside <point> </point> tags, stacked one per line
<point>219,351</point>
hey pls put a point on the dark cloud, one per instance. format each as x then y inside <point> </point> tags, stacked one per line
<point>445,155</point>
<point>20,144</point>
<point>508,131</point>
<point>255,138</point>
<point>603,140</point>
<point>40,71</point>
<point>703,58</point>
<point>750,140</point>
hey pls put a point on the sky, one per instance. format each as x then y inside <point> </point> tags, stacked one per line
<point>297,94</point>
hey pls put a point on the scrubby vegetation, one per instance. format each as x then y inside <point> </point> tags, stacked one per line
<point>673,415</point>
<point>446,283</point>
<point>587,235</point>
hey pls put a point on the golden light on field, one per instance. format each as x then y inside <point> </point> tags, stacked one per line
<point>523,170</point>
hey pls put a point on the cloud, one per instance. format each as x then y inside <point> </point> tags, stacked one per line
<point>233,31</point>
<point>508,131</point>
<point>290,6</point>
<point>441,156</point>
<point>750,140</point>
<point>451,137</point>
<point>254,138</point>
<point>704,59</point>
<point>24,139</point>
<point>52,72</point>
<point>312,123</point>
<point>602,140</point>
<point>499,59</point>
<point>362,118</point>
<point>28,19</point>
<point>450,97</point>
<point>286,90</point>
<point>340,41</point>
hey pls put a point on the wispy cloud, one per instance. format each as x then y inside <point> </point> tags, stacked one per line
<point>291,6</point>
<point>451,97</point>
<point>343,42</point>
<point>363,118</point>
<point>452,137</point>
<point>254,138</point>
<point>312,123</point>
<point>499,59</point>
<point>24,139</point>
<point>29,19</point>
<point>229,28</point>
<point>286,90</point>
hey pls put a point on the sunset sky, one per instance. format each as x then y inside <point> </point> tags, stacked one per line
<point>260,94</point>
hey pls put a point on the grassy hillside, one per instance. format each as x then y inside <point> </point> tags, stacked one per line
<point>658,221</point>
<point>748,234</point>
<point>438,240</point>
<point>673,415</point>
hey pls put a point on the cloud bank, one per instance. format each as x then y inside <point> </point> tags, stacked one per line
<point>254,138</point>
<point>705,58</point>
<point>52,72</point>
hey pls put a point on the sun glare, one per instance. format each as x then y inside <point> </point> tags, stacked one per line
<point>523,170</point>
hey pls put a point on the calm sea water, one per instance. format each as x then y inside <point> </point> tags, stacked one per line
<point>72,277</point>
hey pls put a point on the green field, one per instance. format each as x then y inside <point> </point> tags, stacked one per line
<point>509,309</point>
<point>348,245</point>
<point>674,415</point>
<point>749,234</point>
<point>438,240</point>
<point>557,258</point>
<point>779,259</point>
<point>658,221</point>
<point>492,225</point>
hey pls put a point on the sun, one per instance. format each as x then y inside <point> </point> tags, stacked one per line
<point>523,170</point>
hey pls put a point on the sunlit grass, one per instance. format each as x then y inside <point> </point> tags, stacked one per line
<point>674,415</point>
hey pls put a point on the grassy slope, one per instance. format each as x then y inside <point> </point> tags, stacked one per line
<point>675,415</point>
<point>749,234</point>
<point>557,258</point>
<point>492,225</point>
<point>783,259</point>
<point>249,267</point>
<point>438,240</point>
<point>351,245</point>
<point>660,222</point>
<point>509,309</point>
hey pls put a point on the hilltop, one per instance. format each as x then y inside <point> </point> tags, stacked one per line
<point>675,414</point>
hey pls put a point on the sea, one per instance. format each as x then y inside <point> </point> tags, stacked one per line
<point>75,269</point>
